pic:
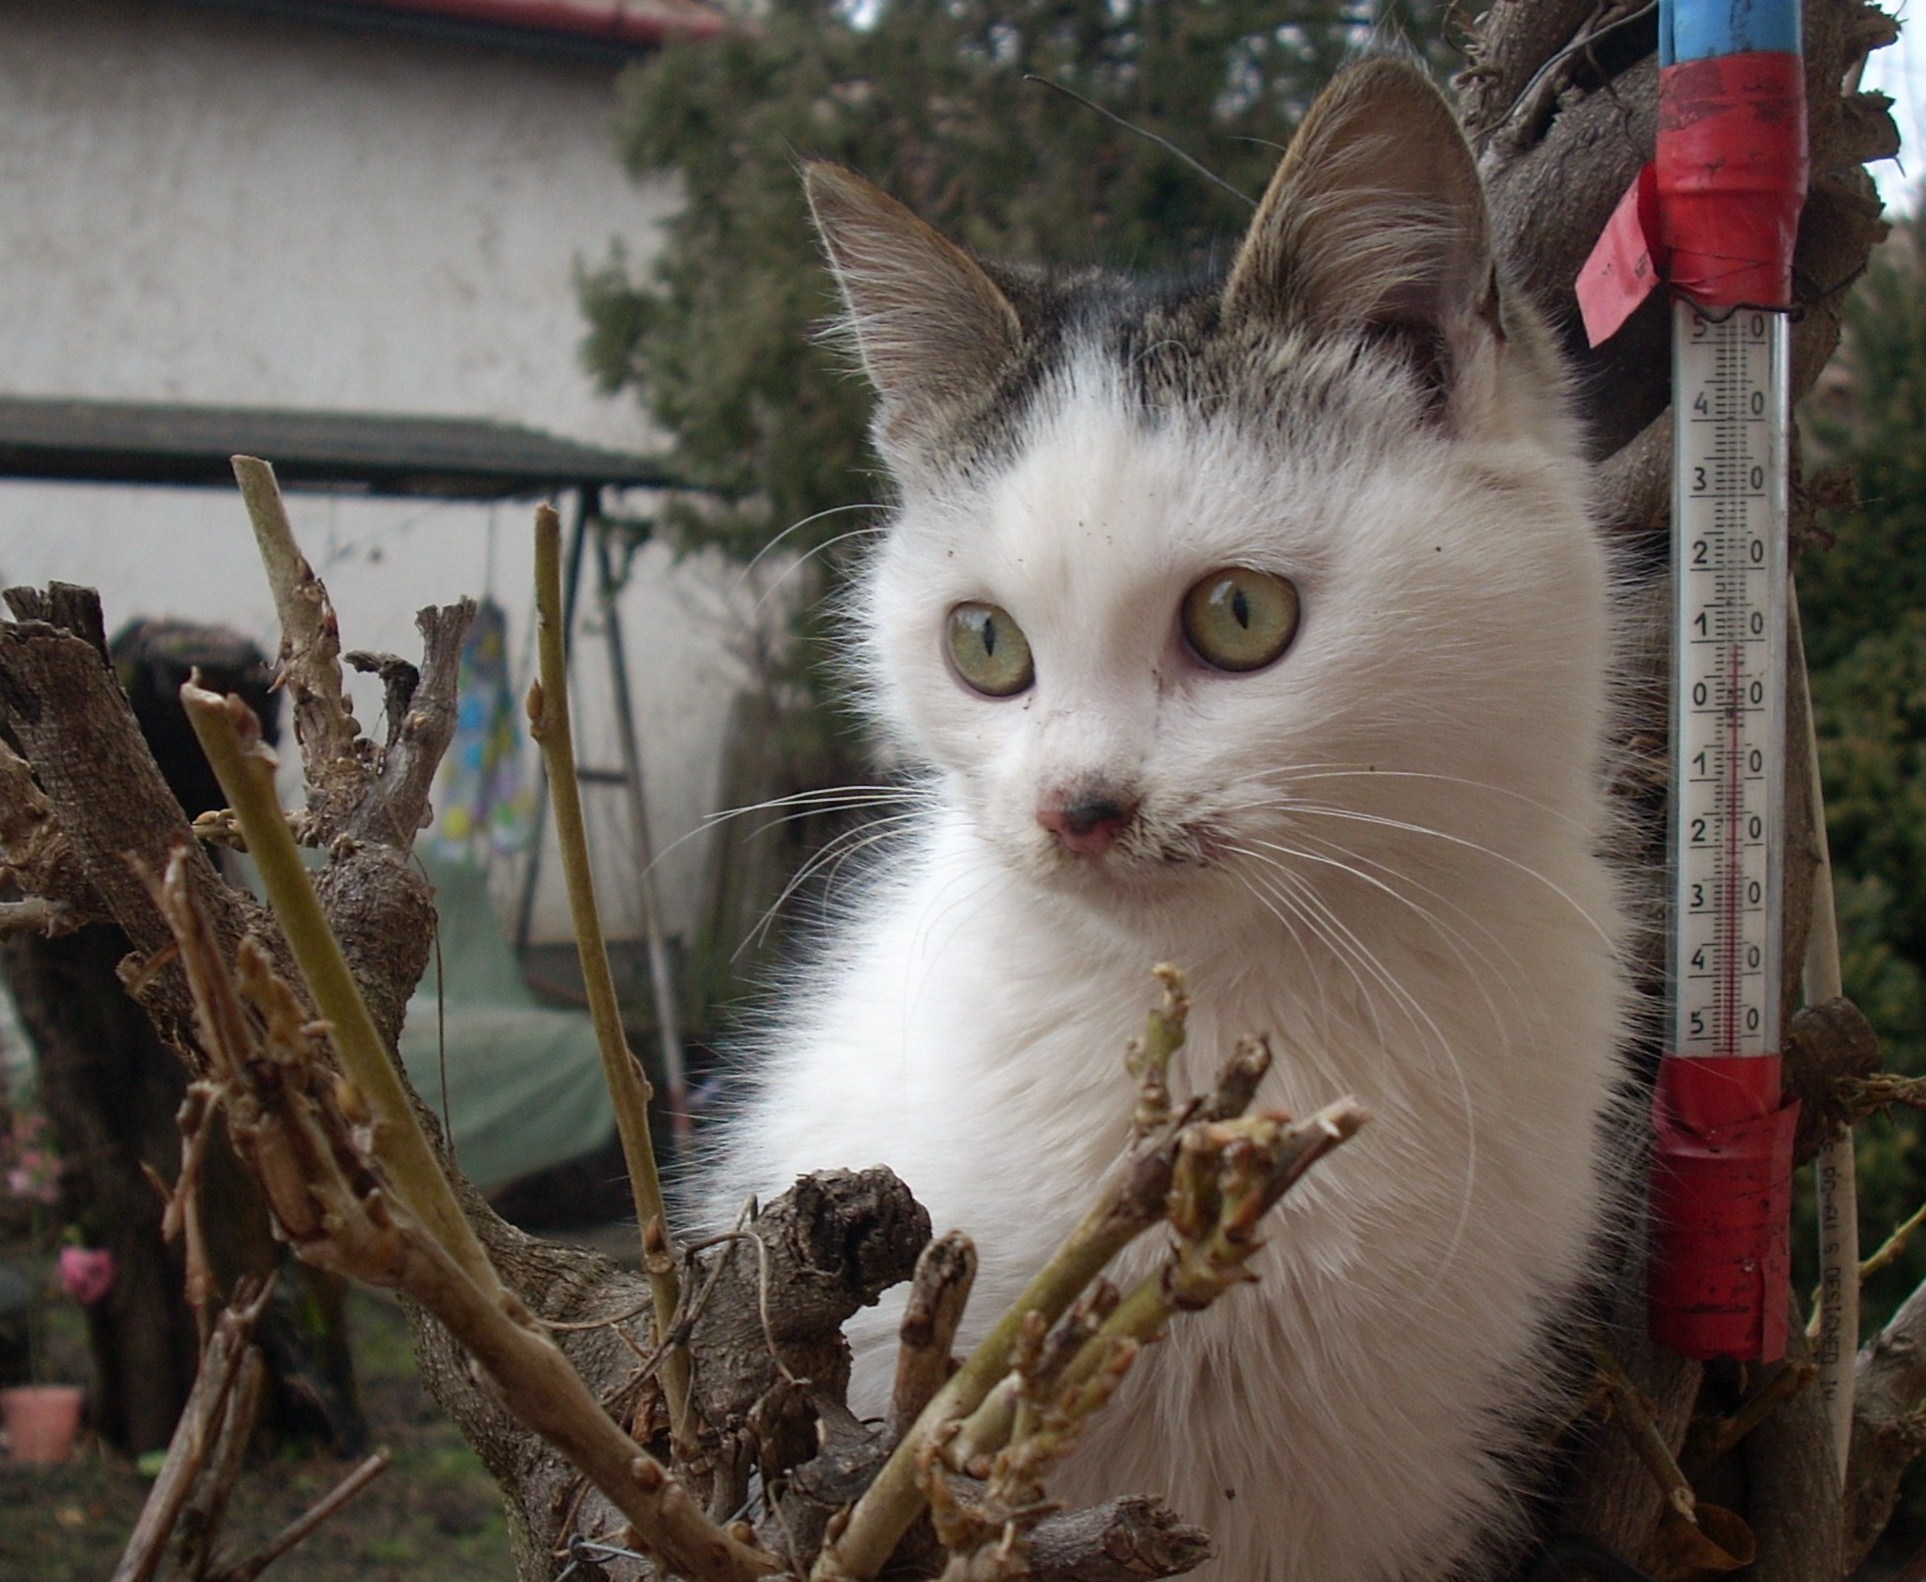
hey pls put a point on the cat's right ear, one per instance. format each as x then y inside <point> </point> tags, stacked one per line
<point>930,326</point>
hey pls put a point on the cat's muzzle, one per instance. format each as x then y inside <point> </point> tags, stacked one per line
<point>1090,824</point>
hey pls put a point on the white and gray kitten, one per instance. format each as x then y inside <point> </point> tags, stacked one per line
<point>1261,629</point>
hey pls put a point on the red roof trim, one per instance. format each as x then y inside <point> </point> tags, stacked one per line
<point>619,21</point>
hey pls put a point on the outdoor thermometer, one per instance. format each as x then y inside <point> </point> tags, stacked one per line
<point>1724,1152</point>
<point>1728,681</point>
<point>1714,217</point>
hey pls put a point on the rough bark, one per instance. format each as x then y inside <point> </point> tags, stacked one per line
<point>113,1088</point>
<point>107,796</point>
<point>1888,1428</point>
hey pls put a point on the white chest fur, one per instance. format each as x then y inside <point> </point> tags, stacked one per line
<point>1342,1419</point>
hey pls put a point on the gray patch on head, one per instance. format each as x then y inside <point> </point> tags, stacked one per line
<point>1179,357</point>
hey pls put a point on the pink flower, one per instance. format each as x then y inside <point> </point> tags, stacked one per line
<point>86,1273</point>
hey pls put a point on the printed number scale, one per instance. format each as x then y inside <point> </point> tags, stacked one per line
<point>1729,664</point>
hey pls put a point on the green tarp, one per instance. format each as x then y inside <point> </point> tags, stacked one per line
<point>524,1086</point>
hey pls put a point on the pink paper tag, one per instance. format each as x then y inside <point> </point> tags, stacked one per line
<point>1621,271</point>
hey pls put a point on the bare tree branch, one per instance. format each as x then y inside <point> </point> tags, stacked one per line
<point>939,1291</point>
<point>194,1438</point>
<point>1889,1425</point>
<point>334,1500</point>
<point>319,1155</point>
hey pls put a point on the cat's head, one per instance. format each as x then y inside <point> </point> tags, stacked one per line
<point>1171,567</point>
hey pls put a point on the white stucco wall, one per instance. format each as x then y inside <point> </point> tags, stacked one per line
<point>220,208</point>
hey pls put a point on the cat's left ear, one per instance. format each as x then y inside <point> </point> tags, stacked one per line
<point>1374,220</point>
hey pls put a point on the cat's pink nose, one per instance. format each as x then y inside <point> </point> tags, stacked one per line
<point>1089,825</point>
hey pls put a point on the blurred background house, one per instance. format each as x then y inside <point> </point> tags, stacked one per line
<point>220,220</point>
<point>345,235</point>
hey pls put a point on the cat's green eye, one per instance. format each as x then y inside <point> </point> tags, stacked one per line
<point>1239,619</point>
<point>989,650</point>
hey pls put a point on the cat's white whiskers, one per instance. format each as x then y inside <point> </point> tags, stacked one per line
<point>1291,891</point>
<point>832,854</point>
<point>1285,801</point>
<point>945,908</point>
<point>796,527</point>
<point>805,557</point>
<point>873,833</point>
<point>1509,971</point>
<point>1327,810</point>
<point>1342,939</point>
<point>1356,772</point>
<point>832,797</point>
<point>791,810</point>
<point>1458,944</point>
<point>1478,967</point>
<point>829,799</point>
<point>1270,901</point>
<point>1280,900</point>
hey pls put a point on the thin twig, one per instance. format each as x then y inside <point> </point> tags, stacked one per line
<point>1229,1175</point>
<point>200,1523</point>
<point>1133,1205</point>
<point>337,1497</point>
<point>1635,1414</point>
<point>181,1218</point>
<point>1835,1317</point>
<point>310,652</point>
<point>1725,1437</point>
<point>1164,143</point>
<point>33,915</point>
<point>548,712</point>
<point>1895,1244</point>
<point>1583,44</point>
<point>894,1499</point>
<point>1862,1096</point>
<point>1147,1059</point>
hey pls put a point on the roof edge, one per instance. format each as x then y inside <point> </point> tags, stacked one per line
<point>643,22</point>
<point>605,29</point>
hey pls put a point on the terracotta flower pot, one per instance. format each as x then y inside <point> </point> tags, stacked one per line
<point>42,1420</point>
